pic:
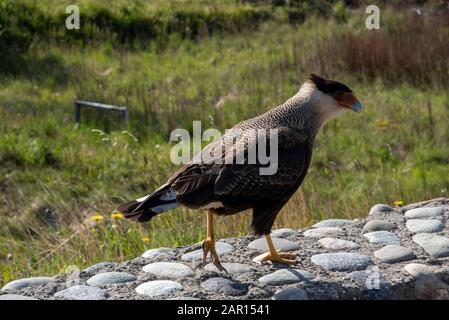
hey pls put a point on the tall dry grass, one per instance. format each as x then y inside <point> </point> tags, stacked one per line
<point>413,49</point>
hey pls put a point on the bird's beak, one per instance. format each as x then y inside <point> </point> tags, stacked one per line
<point>357,106</point>
<point>349,101</point>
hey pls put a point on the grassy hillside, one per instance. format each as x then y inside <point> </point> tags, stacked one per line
<point>60,184</point>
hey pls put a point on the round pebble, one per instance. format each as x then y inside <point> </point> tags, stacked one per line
<point>170,270</point>
<point>416,269</point>
<point>220,247</point>
<point>323,232</point>
<point>332,223</point>
<point>81,292</point>
<point>380,208</point>
<point>378,225</point>
<point>184,298</point>
<point>15,297</point>
<point>361,277</point>
<point>99,266</point>
<point>394,254</point>
<point>224,286</point>
<point>285,276</point>
<point>435,245</point>
<point>321,249</point>
<point>27,283</point>
<point>423,225</point>
<point>418,213</point>
<point>281,233</point>
<point>231,268</point>
<point>280,244</point>
<point>373,284</point>
<point>106,278</point>
<point>158,288</point>
<point>341,261</point>
<point>382,238</point>
<point>427,286</point>
<point>158,253</point>
<point>338,244</point>
<point>291,294</point>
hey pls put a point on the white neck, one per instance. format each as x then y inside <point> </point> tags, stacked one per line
<point>313,101</point>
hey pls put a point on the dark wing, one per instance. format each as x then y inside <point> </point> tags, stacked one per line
<point>194,182</point>
<point>246,180</point>
<point>267,193</point>
<point>241,186</point>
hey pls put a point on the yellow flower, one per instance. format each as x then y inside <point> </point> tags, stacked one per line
<point>97,217</point>
<point>383,123</point>
<point>146,239</point>
<point>117,216</point>
<point>399,203</point>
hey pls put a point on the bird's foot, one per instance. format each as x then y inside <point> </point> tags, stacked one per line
<point>208,245</point>
<point>278,256</point>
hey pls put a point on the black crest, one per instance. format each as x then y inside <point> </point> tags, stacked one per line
<point>328,86</point>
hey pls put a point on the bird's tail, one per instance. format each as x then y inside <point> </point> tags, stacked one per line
<point>145,208</point>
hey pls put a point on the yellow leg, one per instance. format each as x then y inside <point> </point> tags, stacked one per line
<point>209,243</point>
<point>273,255</point>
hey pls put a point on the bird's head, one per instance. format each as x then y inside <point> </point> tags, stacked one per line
<point>330,98</point>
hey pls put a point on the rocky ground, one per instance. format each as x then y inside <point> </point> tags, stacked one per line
<point>394,253</point>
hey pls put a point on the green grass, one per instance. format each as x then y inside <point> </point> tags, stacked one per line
<point>393,151</point>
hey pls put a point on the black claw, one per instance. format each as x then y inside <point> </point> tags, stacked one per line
<point>219,266</point>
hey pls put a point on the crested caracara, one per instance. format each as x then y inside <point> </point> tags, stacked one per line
<point>227,187</point>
